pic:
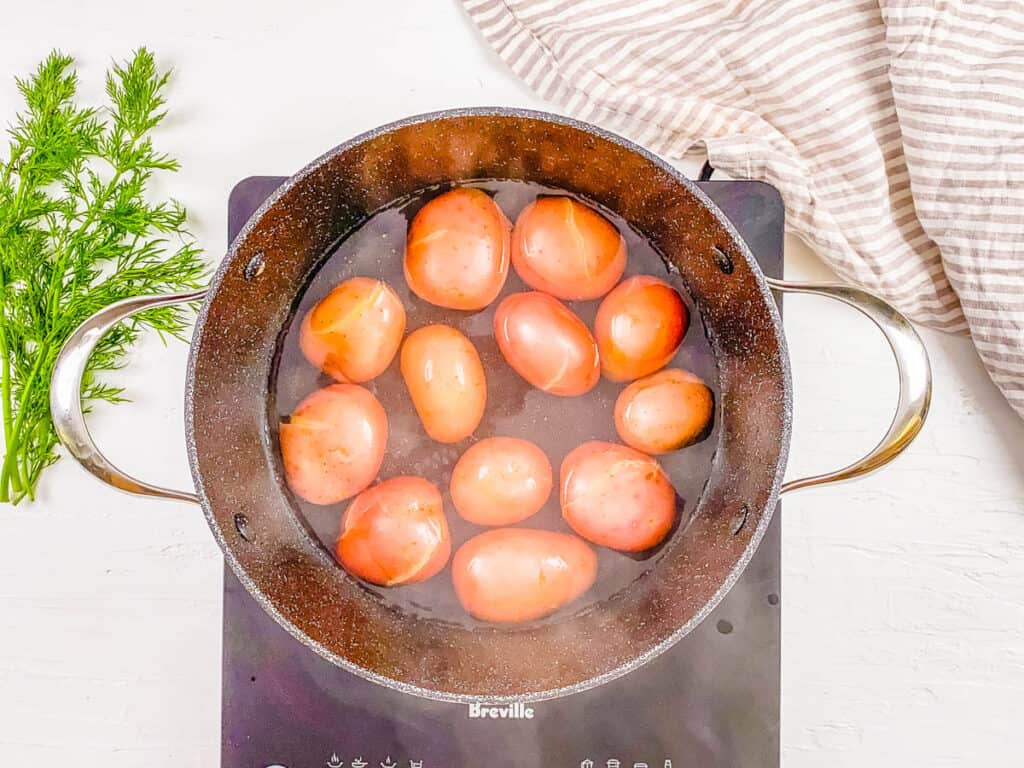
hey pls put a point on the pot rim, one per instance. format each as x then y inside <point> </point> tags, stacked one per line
<point>633,663</point>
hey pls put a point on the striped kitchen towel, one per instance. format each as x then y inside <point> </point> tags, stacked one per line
<point>894,129</point>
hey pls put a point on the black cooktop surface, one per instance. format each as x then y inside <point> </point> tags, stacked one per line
<point>711,701</point>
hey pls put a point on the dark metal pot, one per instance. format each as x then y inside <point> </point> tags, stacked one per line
<point>231,439</point>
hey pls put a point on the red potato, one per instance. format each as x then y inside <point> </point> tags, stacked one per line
<point>445,379</point>
<point>457,251</point>
<point>513,575</point>
<point>355,331</point>
<point>639,327</point>
<point>395,533</point>
<point>547,344</point>
<point>333,444</point>
<point>567,249</point>
<point>664,412</point>
<point>616,497</point>
<point>501,481</point>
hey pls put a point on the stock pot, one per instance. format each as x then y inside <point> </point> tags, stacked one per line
<point>231,432</point>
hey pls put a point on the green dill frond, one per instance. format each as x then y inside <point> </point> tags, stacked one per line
<point>78,232</point>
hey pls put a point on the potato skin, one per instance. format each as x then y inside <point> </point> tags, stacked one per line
<point>395,533</point>
<point>353,333</point>
<point>333,444</point>
<point>567,249</point>
<point>616,497</point>
<point>639,327</point>
<point>547,344</point>
<point>458,250</point>
<point>665,411</point>
<point>446,382</point>
<point>512,575</point>
<point>501,481</point>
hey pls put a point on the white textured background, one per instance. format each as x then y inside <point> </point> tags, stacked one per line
<point>903,594</point>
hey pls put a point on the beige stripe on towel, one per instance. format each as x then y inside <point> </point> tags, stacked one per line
<point>894,130</point>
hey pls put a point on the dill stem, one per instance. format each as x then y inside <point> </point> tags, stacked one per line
<point>8,419</point>
<point>9,482</point>
<point>10,472</point>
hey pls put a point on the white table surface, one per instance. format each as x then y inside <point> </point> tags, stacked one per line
<point>903,594</point>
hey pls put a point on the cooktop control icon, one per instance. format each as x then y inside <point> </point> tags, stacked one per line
<point>334,761</point>
<point>588,763</point>
<point>388,763</point>
<point>613,763</point>
<point>359,763</point>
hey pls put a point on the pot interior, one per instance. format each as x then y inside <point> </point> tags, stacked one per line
<point>515,408</point>
<point>245,375</point>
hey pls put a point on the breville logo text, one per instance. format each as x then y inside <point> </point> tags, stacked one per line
<point>516,711</point>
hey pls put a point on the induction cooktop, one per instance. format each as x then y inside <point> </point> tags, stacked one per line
<point>710,701</point>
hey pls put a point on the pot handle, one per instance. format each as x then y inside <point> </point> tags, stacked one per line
<point>914,369</point>
<point>66,394</point>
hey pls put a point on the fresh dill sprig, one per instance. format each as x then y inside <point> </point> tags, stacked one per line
<point>77,233</point>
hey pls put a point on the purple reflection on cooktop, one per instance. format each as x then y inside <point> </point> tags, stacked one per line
<point>711,701</point>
